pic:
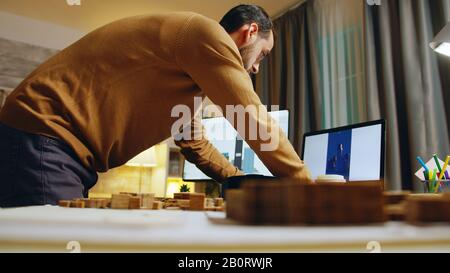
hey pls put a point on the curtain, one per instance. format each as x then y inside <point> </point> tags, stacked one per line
<point>408,83</point>
<point>342,62</point>
<point>285,77</point>
<point>316,67</point>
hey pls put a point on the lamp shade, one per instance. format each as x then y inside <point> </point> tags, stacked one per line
<point>144,159</point>
<point>441,43</point>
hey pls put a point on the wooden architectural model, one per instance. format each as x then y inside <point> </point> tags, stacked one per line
<point>281,202</point>
<point>314,204</point>
<point>133,201</point>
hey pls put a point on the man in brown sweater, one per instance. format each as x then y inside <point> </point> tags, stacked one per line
<point>109,96</point>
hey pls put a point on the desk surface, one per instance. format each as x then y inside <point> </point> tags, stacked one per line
<point>51,228</point>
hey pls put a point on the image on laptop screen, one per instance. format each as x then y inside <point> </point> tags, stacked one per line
<point>355,152</point>
<point>226,139</point>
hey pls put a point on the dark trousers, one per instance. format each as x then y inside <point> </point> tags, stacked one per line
<point>38,170</point>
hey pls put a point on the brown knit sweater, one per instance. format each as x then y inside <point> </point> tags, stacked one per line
<point>110,95</point>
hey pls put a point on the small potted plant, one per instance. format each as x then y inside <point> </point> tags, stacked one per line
<point>184,188</point>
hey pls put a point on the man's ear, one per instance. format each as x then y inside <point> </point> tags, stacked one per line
<point>251,32</point>
<point>245,34</point>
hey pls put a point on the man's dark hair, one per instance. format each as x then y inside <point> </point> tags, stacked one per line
<point>246,14</point>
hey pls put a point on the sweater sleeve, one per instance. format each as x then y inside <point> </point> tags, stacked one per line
<point>205,156</point>
<point>210,57</point>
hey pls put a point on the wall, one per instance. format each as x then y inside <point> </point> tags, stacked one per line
<point>18,59</point>
<point>25,44</point>
<point>35,32</point>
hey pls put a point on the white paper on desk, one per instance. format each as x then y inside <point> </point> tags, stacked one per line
<point>431,164</point>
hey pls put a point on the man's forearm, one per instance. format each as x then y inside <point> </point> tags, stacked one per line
<point>208,159</point>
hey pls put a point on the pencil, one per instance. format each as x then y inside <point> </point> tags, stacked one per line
<point>437,163</point>
<point>423,164</point>
<point>444,168</point>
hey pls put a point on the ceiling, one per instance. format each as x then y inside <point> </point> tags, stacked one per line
<point>94,13</point>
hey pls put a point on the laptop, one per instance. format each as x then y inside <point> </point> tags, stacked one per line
<point>356,152</point>
<point>227,140</point>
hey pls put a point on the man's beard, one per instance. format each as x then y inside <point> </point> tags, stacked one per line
<point>246,53</point>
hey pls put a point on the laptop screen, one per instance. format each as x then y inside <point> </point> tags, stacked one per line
<point>355,152</point>
<point>226,139</point>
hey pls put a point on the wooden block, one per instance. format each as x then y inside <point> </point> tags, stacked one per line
<point>341,207</point>
<point>128,193</point>
<point>236,208</point>
<point>77,204</point>
<point>173,208</point>
<point>170,203</point>
<point>91,203</point>
<point>264,203</point>
<point>392,198</point>
<point>197,201</point>
<point>218,202</point>
<point>177,195</point>
<point>219,209</point>
<point>64,203</point>
<point>316,204</point>
<point>427,209</point>
<point>147,200</point>
<point>364,204</point>
<point>446,195</point>
<point>396,212</point>
<point>184,204</point>
<point>134,202</point>
<point>270,207</point>
<point>314,210</point>
<point>104,203</point>
<point>157,205</point>
<point>182,195</point>
<point>120,201</point>
<point>209,202</point>
<point>296,204</point>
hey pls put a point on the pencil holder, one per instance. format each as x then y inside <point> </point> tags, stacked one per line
<point>438,186</point>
